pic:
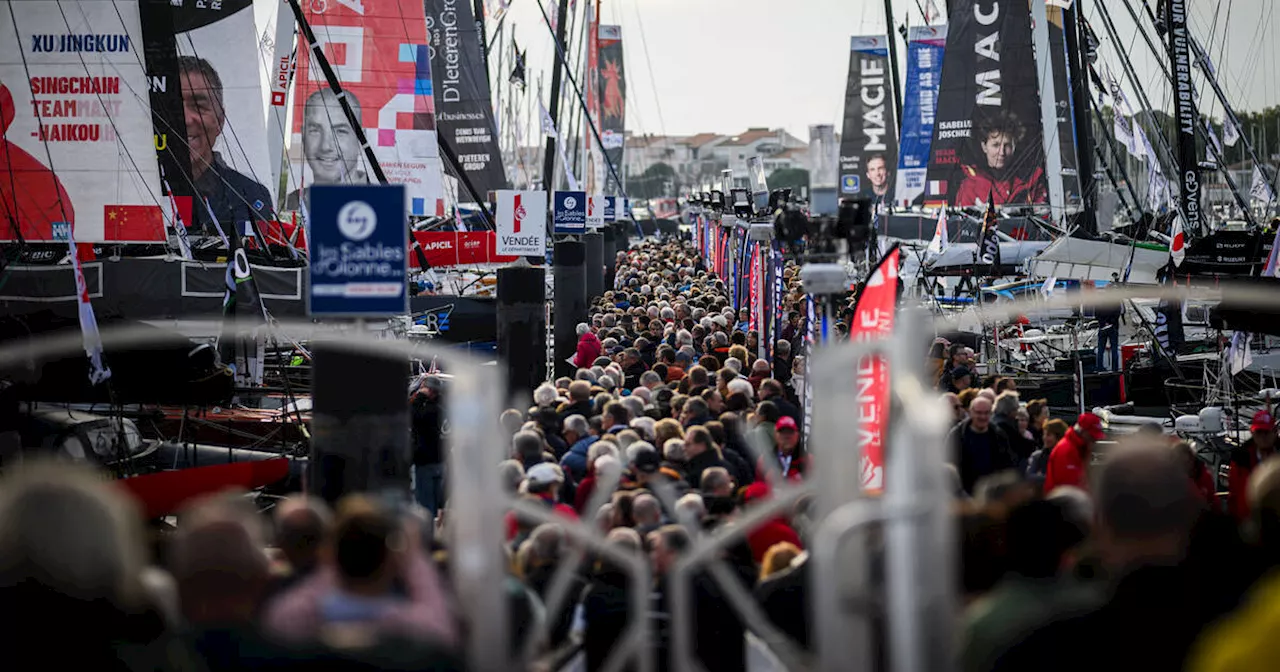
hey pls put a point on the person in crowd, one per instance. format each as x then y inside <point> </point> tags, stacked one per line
<point>979,448</point>
<point>1050,434</point>
<point>1260,447</point>
<point>577,431</point>
<point>428,443</point>
<point>793,461</point>
<point>1070,458</point>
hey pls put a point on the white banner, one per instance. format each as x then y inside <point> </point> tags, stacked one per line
<point>595,211</point>
<point>522,223</point>
<point>75,119</point>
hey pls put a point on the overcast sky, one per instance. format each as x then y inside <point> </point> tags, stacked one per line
<point>789,58</point>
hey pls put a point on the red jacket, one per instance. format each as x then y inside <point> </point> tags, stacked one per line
<point>1067,462</point>
<point>513,524</point>
<point>589,349</point>
<point>769,533</point>
<point>1203,485</point>
<point>1243,461</point>
<point>980,185</point>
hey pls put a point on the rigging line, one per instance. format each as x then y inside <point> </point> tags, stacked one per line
<point>165,122</point>
<point>644,43</point>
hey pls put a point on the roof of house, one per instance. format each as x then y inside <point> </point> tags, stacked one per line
<point>750,136</point>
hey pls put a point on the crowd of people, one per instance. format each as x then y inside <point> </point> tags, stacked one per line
<point>673,424</point>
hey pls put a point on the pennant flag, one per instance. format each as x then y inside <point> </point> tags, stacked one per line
<point>98,372</point>
<point>1230,132</point>
<point>518,70</point>
<point>940,242</point>
<point>873,318</point>
<point>548,125</point>
<point>1213,137</point>
<point>1261,187</point>
<point>989,244</point>
<point>1121,101</point>
<point>1178,241</point>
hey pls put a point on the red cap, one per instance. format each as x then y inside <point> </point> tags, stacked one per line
<point>1262,422</point>
<point>786,422</point>
<point>1090,425</point>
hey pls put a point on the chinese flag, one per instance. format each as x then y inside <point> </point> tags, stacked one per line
<point>133,224</point>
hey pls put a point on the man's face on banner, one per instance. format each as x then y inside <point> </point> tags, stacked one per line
<point>998,148</point>
<point>328,141</point>
<point>877,173</point>
<point>203,114</point>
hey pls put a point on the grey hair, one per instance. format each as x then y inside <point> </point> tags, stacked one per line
<point>740,385</point>
<point>635,405</point>
<point>600,449</point>
<point>646,509</point>
<point>715,477</point>
<point>673,450</point>
<point>690,507</point>
<point>510,474</point>
<point>644,427</point>
<point>636,448</point>
<point>545,395</point>
<point>1006,403</point>
<point>582,328</point>
<point>577,424</point>
<point>733,363</point>
<point>648,378</point>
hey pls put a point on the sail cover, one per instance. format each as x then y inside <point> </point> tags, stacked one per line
<point>380,54</point>
<point>75,124</point>
<point>869,143</point>
<point>461,88</point>
<point>988,138</point>
<point>613,95</point>
<point>926,46</point>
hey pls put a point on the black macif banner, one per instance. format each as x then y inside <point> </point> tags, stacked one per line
<point>1062,87</point>
<point>987,139</point>
<point>1184,106</point>
<point>613,99</point>
<point>464,116</point>
<point>869,138</point>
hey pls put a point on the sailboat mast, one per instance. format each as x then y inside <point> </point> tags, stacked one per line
<point>557,70</point>
<point>1071,28</point>
<point>893,62</point>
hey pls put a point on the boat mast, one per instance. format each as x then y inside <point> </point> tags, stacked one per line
<point>1048,112</point>
<point>1079,87</point>
<point>893,62</point>
<point>557,70</point>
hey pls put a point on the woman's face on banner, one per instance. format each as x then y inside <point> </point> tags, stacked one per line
<point>998,148</point>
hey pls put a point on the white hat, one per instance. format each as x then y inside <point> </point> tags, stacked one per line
<point>544,474</point>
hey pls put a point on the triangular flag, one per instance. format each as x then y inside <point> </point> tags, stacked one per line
<point>548,126</point>
<point>1230,132</point>
<point>940,241</point>
<point>1213,137</point>
<point>1261,188</point>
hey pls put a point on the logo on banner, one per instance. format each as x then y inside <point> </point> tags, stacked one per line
<point>610,208</point>
<point>522,223</point>
<point>595,211</point>
<point>850,184</point>
<point>570,212</point>
<point>357,220</point>
<point>519,213</point>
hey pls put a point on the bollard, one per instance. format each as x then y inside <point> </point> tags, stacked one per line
<point>359,423</point>
<point>608,255</point>
<point>595,265</point>
<point>522,327</point>
<point>570,301</point>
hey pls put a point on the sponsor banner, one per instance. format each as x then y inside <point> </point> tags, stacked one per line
<point>869,142</point>
<point>595,211</point>
<point>278,56</point>
<point>446,249</point>
<point>226,133</point>
<point>1062,106</point>
<point>873,318</point>
<point>461,89</point>
<point>592,174</point>
<point>611,208</point>
<point>613,94</point>
<point>522,223</point>
<point>987,136</point>
<point>1186,117</point>
<point>382,58</point>
<point>76,140</point>
<point>569,215</point>
<point>359,251</point>
<point>925,48</point>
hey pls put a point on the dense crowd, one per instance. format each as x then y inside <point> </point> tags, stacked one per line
<point>674,423</point>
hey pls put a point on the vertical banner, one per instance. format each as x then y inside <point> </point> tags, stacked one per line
<point>226,134</point>
<point>76,139</point>
<point>1062,105</point>
<point>279,46</point>
<point>381,56</point>
<point>925,48</point>
<point>592,174</point>
<point>988,138</point>
<point>612,89</point>
<point>869,143</point>
<point>753,281</point>
<point>464,115</point>
<point>873,318</point>
<point>1185,114</point>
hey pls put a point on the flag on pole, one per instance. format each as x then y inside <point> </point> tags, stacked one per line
<point>1261,188</point>
<point>548,125</point>
<point>1239,353</point>
<point>1178,241</point>
<point>873,318</point>
<point>98,372</point>
<point>1213,137</point>
<point>940,241</point>
<point>1230,132</point>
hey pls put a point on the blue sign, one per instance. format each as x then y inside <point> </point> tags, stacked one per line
<point>610,208</point>
<point>569,212</point>
<point>850,184</point>
<point>359,242</point>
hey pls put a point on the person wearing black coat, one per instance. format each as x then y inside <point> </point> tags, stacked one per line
<point>428,444</point>
<point>979,447</point>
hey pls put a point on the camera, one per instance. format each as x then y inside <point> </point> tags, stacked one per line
<point>820,237</point>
